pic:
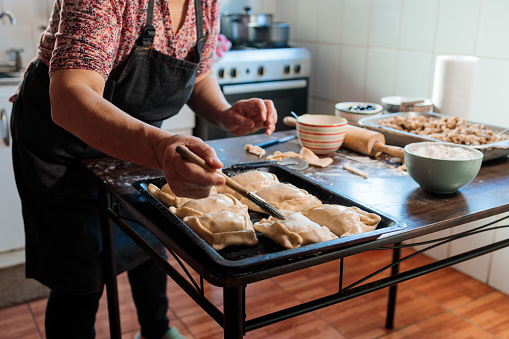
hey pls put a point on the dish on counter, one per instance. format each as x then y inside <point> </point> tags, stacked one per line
<point>399,137</point>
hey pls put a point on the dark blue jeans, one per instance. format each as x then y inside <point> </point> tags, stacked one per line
<point>73,315</point>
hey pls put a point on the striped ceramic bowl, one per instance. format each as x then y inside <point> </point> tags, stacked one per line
<point>322,134</point>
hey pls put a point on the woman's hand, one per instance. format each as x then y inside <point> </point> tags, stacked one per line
<point>247,116</point>
<point>185,178</point>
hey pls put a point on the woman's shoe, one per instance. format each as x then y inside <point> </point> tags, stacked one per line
<point>173,333</point>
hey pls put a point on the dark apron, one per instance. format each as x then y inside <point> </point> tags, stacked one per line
<point>59,199</point>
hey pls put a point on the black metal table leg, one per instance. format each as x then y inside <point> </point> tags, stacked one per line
<point>234,299</point>
<point>391,305</point>
<point>109,266</point>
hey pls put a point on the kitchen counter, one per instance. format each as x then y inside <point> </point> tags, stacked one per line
<point>387,189</point>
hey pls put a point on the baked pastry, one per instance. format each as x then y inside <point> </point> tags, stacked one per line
<point>295,231</point>
<point>285,197</point>
<point>342,220</point>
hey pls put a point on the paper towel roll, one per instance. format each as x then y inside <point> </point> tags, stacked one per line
<point>453,86</point>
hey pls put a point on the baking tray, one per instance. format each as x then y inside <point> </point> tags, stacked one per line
<point>399,138</point>
<point>267,250</point>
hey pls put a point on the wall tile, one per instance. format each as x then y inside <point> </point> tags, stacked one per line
<point>306,20</point>
<point>499,274</point>
<point>356,22</point>
<point>17,37</point>
<point>491,85</point>
<point>457,26</point>
<point>493,29</point>
<point>352,74</point>
<point>385,23</point>
<point>286,12</point>
<point>477,268</point>
<point>28,11</point>
<point>414,74</point>
<point>439,252</point>
<point>327,72</point>
<point>418,24</point>
<point>330,21</point>
<point>380,81</point>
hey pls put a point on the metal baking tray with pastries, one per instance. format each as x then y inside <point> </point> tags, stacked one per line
<point>268,251</point>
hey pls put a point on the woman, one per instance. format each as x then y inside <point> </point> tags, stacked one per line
<point>106,75</point>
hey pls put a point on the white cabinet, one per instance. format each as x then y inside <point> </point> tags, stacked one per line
<point>181,123</point>
<point>12,239</point>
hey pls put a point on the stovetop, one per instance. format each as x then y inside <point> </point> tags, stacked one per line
<point>262,64</point>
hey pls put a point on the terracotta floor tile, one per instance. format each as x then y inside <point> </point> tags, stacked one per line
<point>490,312</point>
<point>16,322</point>
<point>364,317</point>
<point>442,326</point>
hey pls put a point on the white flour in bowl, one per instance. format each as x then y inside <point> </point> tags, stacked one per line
<point>438,151</point>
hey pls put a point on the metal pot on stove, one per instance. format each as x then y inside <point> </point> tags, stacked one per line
<point>235,25</point>
<point>275,34</point>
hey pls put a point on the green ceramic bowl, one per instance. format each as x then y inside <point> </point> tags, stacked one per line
<point>446,173</point>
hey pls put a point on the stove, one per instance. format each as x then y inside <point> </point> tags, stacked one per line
<point>279,74</point>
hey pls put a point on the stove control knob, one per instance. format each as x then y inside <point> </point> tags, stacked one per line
<point>234,73</point>
<point>261,70</point>
<point>220,73</point>
<point>297,68</point>
<point>287,69</point>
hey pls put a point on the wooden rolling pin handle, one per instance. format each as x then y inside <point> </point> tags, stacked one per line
<point>395,151</point>
<point>189,155</point>
<point>290,121</point>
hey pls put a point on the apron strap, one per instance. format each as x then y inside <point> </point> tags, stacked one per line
<point>148,32</point>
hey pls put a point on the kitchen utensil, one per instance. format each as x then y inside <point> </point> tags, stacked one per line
<point>362,140</point>
<point>235,25</point>
<point>293,163</point>
<point>321,133</point>
<point>445,175</point>
<point>394,104</point>
<point>370,143</point>
<point>274,34</point>
<point>189,155</point>
<point>277,141</point>
<point>354,111</point>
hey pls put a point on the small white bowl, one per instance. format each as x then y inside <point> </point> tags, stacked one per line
<point>446,172</point>
<point>321,133</point>
<point>354,111</point>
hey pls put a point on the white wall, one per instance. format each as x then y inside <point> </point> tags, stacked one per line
<point>365,49</point>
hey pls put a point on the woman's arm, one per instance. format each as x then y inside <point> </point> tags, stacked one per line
<point>243,117</point>
<point>77,105</point>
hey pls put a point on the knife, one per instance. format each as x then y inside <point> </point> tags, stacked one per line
<point>276,141</point>
<point>264,205</point>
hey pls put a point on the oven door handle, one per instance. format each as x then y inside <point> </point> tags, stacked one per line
<point>264,86</point>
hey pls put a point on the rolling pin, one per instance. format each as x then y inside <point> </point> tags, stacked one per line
<point>362,140</point>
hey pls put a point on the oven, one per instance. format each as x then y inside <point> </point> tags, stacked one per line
<point>279,74</point>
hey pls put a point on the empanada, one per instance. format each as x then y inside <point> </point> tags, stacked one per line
<point>285,197</point>
<point>295,231</point>
<point>342,220</point>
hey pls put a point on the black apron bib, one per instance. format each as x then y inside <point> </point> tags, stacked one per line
<point>59,200</point>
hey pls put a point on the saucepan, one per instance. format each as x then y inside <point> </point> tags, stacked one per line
<point>274,34</point>
<point>235,25</point>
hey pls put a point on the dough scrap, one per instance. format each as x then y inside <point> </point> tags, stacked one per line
<point>295,231</point>
<point>256,150</point>
<point>285,197</point>
<point>306,154</point>
<point>342,220</point>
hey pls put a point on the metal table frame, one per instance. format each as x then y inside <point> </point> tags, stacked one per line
<point>233,319</point>
<point>484,197</point>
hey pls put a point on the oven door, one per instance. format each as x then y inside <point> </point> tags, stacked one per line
<point>287,95</point>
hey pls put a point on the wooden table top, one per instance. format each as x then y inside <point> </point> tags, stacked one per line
<point>387,188</point>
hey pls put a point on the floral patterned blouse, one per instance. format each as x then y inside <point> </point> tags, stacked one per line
<point>98,35</point>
